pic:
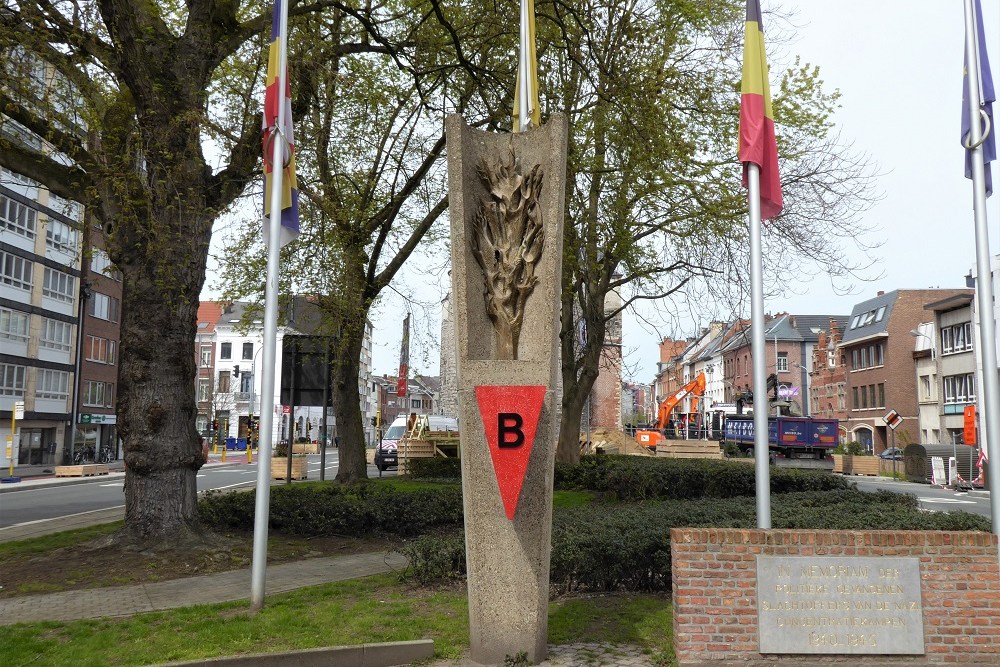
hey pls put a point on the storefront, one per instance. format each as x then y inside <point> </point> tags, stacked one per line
<point>96,433</point>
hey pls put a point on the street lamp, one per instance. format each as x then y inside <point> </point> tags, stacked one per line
<point>916,333</point>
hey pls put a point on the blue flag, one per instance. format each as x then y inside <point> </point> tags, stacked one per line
<point>987,97</point>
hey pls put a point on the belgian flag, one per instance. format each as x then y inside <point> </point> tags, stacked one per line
<point>757,142</point>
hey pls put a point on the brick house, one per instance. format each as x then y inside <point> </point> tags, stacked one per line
<point>828,377</point>
<point>877,349</point>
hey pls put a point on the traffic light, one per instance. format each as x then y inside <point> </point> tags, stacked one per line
<point>236,371</point>
<point>374,421</point>
<point>378,417</point>
<point>215,424</point>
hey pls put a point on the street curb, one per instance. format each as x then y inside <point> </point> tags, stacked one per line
<point>361,655</point>
<point>47,481</point>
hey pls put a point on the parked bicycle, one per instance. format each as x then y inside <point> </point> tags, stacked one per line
<point>86,455</point>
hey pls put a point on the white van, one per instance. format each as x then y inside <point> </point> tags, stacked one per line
<point>386,451</point>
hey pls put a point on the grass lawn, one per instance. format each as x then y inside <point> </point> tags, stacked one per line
<point>374,609</point>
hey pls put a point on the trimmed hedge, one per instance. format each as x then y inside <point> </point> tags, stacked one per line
<point>611,546</point>
<point>329,509</point>
<point>436,467</point>
<point>640,478</point>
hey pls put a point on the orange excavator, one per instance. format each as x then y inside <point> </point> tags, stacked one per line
<point>695,387</point>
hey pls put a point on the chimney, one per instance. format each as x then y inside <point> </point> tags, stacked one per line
<point>880,293</point>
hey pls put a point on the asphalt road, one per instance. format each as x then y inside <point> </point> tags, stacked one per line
<point>931,498</point>
<point>39,503</point>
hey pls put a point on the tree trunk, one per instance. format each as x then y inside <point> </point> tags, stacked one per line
<point>353,464</point>
<point>156,399</point>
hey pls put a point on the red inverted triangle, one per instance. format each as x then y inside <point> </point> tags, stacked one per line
<point>512,411</point>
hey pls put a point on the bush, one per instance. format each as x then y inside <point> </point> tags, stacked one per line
<point>327,509</point>
<point>615,546</point>
<point>640,478</point>
<point>436,467</point>
<point>852,448</point>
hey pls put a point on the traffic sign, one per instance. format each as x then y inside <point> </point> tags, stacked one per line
<point>969,425</point>
<point>892,419</point>
<point>19,410</point>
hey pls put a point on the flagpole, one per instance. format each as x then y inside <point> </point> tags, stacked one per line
<point>984,276</point>
<point>263,490</point>
<point>524,74</point>
<point>762,472</point>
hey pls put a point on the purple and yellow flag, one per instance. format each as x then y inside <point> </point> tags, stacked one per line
<point>272,98</point>
<point>757,142</point>
<point>987,96</point>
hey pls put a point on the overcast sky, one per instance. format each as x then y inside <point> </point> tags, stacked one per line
<point>898,66</point>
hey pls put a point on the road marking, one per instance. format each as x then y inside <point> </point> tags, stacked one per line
<point>117,485</point>
<point>66,516</point>
<point>947,500</point>
<point>228,486</point>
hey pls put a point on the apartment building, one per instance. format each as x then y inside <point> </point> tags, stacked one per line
<point>878,350</point>
<point>228,388</point>
<point>40,311</point>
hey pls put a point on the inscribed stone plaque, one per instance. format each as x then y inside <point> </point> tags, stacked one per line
<point>839,604</point>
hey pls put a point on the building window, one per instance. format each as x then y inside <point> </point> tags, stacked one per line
<point>226,351</point>
<point>782,362</point>
<point>201,423</point>
<point>246,381</point>
<point>854,399</point>
<point>103,307</point>
<point>925,387</point>
<point>52,384</point>
<point>59,286</point>
<point>100,350</point>
<point>12,380</point>
<point>956,338</point>
<point>854,360</point>
<point>56,335</point>
<point>18,218</point>
<point>101,263</point>
<point>98,394</point>
<point>959,388</point>
<point>204,389</point>
<point>60,236</point>
<point>248,351</point>
<point>13,324</point>
<point>416,404</point>
<point>15,271</point>
<point>206,356</point>
<point>831,359</point>
<point>224,377</point>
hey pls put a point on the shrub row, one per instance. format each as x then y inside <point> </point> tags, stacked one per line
<point>328,509</point>
<point>641,478</point>
<point>627,547</point>
<point>436,467</point>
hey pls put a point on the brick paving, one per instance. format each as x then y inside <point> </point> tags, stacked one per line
<point>589,654</point>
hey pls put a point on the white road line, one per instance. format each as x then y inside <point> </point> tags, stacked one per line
<point>65,516</point>
<point>947,500</point>
<point>117,486</point>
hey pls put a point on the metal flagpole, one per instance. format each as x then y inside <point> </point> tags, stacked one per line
<point>984,277</point>
<point>762,472</point>
<point>525,94</point>
<point>263,494</point>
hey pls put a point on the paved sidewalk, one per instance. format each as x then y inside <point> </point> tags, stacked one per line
<point>205,589</point>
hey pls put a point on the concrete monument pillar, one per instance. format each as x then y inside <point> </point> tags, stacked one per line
<point>506,198</point>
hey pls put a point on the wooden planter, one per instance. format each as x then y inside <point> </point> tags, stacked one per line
<point>847,464</point>
<point>279,467</point>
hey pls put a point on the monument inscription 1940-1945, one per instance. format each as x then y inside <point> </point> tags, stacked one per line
<point>852,605</point>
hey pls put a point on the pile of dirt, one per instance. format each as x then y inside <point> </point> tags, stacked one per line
<point>611,441</point>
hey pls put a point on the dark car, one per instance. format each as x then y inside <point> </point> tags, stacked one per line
<point>892,454</point>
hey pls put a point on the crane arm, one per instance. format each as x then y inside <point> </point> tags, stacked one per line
<point>695,386</point>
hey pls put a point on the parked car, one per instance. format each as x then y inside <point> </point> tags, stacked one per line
<point>892,454</point>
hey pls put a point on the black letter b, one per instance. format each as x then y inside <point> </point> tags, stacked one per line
<point>509,423</point>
